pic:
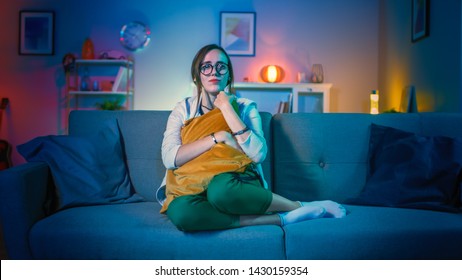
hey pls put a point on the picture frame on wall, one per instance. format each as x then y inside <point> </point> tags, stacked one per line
<point>36,32</point>
<point>237,33</point>
<point>420,19</point>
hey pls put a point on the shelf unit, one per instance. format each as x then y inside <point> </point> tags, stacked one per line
<point>298,91</point>
<point>75,76</point>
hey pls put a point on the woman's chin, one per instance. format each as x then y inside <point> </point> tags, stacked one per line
<point>213,90</point>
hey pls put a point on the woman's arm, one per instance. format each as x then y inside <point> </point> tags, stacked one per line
<point>252,141</point>
<point>223,102</point>
<point>171,142</point>
<point>174,153</point>
<point>194,149</point>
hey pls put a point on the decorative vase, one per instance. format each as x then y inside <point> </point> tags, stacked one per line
<point>301,77</point>
<point>88,51</point>
<point>317,75</point>
<point>85,83</point>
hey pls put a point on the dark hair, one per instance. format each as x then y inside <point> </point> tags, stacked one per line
<point>195,72</point>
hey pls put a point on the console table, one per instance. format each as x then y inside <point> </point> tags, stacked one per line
<point>298,91</point>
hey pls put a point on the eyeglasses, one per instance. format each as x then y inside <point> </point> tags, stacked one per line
<point>220,67</point>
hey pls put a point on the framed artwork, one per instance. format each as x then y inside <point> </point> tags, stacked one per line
<point>237,33</point>
<point>420,19</point>
<point>36,32</point>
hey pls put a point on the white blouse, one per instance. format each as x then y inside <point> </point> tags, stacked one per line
<point>254,146</point>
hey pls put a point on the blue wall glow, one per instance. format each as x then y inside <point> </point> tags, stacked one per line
<point>341,35</point>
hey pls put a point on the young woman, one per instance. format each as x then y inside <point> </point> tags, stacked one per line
<point>212,148</point>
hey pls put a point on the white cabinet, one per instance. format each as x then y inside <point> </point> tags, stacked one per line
<point>107,80</point>
<point>302,97</point>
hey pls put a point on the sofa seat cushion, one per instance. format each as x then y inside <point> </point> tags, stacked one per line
<point>138,231</point>
<point>370,233</point>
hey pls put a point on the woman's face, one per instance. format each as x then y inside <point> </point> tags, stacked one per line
<point>214,71</point>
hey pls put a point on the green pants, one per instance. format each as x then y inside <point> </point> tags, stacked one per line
<point>227,197</point>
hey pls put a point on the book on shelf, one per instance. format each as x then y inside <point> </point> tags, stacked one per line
<point>281,107</point>
<point>290,103</point>
<point>123,77</point>
<point>286,106</point>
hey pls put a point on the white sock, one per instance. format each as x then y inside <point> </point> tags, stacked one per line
<point>301,214</point>
<point>333,209</point>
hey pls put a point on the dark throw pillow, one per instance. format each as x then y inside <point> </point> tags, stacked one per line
<point>86,170</point>
<point>411,171</point>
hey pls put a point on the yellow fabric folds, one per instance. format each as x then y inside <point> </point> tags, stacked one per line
<point>194,176</point>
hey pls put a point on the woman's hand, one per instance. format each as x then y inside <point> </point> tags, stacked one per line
<point>223,99</point>
<point>228,139</point>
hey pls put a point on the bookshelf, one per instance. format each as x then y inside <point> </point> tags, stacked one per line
<point>118,83</point>
<point>301,97</point>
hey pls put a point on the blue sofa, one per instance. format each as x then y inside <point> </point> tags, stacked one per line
<point>311,157</point>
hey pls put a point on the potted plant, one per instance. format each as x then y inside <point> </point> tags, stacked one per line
<point>111,105</point>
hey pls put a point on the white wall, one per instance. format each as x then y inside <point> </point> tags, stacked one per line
<point>341,35</point>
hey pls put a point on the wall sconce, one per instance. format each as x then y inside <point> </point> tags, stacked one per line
<point>272,74</point>
<point>374,102</point>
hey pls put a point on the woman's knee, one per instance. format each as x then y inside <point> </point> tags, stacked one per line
<point>230,194</point>
<point>193,213</point>
<point>224,192</point>
<point>180,215</point>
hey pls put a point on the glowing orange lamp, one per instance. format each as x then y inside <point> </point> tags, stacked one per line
<point>272,74</point>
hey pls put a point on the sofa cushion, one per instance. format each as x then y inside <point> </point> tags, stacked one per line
<point>138,231</point>
<point>372,232</point>
<point>412,171</point>
<point>86,170</point>
<point>142,133</point>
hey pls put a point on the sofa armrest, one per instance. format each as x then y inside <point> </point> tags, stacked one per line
<point>23,197</point>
